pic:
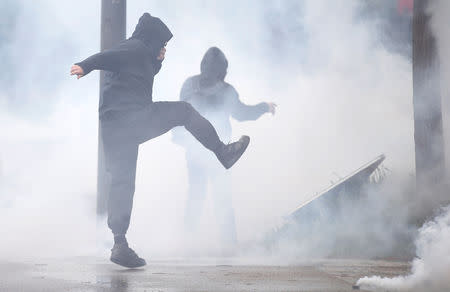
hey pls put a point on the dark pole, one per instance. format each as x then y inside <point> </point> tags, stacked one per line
<point>113,31</point>
<point>428,134</point>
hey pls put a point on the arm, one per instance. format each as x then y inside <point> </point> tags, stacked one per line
<point>243,112</point>
<point>109,60</point>
<point>115,59</point>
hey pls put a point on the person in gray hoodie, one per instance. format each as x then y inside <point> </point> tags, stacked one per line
<point>129,117</point>
<point>218,101</point>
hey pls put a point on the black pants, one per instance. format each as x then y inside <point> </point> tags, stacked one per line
<point>123,132</point>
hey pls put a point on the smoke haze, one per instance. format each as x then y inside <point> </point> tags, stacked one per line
<point>344,98</point>
<point>431,265</point>
<point>430,268</point>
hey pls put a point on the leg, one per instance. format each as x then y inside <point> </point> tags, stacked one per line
<point>120,157</point>
<point>164,116</point>
<point>223,207</point>
<point>198,183</point>
<point>121,152</point>
<point>121,166</point>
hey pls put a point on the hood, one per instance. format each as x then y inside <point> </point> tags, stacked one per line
<point>152,31</point>
<point>214,64</point>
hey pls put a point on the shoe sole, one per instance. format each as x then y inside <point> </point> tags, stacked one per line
<point>117,262</point>
<point>246,140</point>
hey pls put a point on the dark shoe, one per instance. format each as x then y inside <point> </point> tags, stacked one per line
<point>122,255</point>
<point>229,154</point>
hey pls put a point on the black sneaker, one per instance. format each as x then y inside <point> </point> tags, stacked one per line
<point>122,255</point>
<point>229,154</point>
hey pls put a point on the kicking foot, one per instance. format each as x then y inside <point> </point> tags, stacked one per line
<point>230,154</point>
<point>124,256</point>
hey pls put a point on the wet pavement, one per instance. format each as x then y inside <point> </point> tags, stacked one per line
<point>94,274</point>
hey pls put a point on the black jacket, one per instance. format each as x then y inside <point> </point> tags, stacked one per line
<point>131,66</point>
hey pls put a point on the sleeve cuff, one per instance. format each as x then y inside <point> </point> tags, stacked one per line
<point>86,69</point>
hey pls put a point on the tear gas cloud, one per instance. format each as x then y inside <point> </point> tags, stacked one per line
<point>431,265</point>
<point>343,99</point>
<point>429,269</point>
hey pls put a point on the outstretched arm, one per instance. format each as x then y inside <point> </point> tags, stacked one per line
<point>114,59</point>
<point>244,112</point>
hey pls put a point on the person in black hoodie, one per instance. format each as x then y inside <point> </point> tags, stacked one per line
<point>217,101</point>
<point>129,117</point>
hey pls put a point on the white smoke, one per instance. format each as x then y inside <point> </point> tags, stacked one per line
<point>49,136</point>
<point>431,266</point>
<point>343,99</point>
<point>334,106</point>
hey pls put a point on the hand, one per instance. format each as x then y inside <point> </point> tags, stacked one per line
<point>77,70</point>
<point>272,107</point>
<point>162,54</point>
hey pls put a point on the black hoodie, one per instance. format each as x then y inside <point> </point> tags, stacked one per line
<point>131,66</point>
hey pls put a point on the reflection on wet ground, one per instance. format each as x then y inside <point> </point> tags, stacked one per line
<point>98,275</point>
